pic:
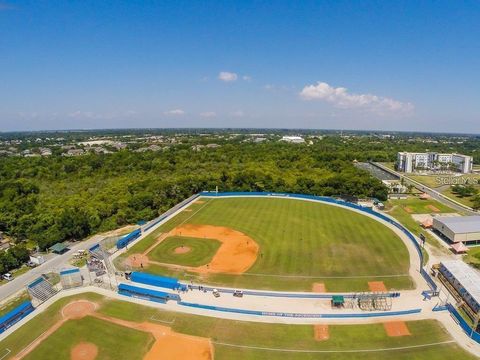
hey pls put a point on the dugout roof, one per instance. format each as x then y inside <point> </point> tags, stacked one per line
<point>465,275</point>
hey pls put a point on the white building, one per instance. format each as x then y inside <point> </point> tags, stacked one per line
<point>409,162</point>
<point>457,229</point>
<point>293,139</point>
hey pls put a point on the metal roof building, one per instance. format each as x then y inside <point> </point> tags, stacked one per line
<point>465,279</point>
<point>456,229</point>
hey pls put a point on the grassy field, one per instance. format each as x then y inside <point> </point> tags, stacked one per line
<point>473,256</point>
<point>113,341</point>
<point>418,206</point>
<point>201,251</point>
<point>116,342</point>
<point>301,242</point>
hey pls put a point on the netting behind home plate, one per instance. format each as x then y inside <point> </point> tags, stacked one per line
<point>71,278</point>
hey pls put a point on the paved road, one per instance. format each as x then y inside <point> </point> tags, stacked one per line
<point>55,263</point>
<point>433,193</point>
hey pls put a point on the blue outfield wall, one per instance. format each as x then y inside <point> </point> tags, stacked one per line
<point>147,294</point>
<point>14,316</point>
<point>330,200</point>
<point>463,323</point>
<point>301,315</point>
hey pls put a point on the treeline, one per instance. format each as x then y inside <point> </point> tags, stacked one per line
<point>49,200</point>
<point>13,258</point>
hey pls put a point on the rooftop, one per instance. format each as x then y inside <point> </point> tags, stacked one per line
<point>466,275</point>
<point>461,224</point>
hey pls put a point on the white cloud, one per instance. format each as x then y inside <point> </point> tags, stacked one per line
<point>227,76</point>
<point>208,114</point>
<point>247,77</point>
<point>238,113</point>
<point>175,112</point>
<point>340,97</point>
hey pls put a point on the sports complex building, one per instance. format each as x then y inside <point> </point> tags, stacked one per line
<point>456,229</point>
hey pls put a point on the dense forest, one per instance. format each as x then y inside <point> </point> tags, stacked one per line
<point>52,199</point>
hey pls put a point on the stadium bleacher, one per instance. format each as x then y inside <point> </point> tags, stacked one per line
<point>41,289</point>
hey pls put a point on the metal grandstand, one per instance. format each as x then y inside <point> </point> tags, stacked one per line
<point>41,290</point>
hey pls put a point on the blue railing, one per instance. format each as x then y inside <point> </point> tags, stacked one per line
<point>463,323</point>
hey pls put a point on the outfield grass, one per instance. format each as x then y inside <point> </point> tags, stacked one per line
<point>301,242</point>
<point>201,251</point>
<point>113,341</point>
<point>116,342</point>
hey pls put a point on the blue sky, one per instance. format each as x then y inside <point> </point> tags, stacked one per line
<point>390,65</point>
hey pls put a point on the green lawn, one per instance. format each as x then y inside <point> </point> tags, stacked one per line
<point>301,337</point>
<point>113,341</point>
<point>473,256</point>
<point>116,342</point>
<point>301,242</point>
<point>462,200</point>
<point>201,251</point>
<point>418,206</point>
<point>399,213</point>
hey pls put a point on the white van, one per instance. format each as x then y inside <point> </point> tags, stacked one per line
<point>8,277</point>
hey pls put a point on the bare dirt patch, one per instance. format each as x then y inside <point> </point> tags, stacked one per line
<point>200,202</point>
<point>84,351</point>
<point>78,309</point>
<point>408,209</point>
<point>237,253</point>
<point>396,328</point>
<point>137,261</point>
<point>319,287</point>
<point>182,250</point>
<point>321,332</point>
<point>433,208</point>
<point>377,286</point>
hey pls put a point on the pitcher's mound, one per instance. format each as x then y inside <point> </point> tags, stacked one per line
<point>182,250</point>
<point>84,351</point>
<point>78,309</point>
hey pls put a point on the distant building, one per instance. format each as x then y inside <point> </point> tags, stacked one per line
<point>457,229</point>
<point>293,139</point>
<point>409,162</point>
<point>74,152</point>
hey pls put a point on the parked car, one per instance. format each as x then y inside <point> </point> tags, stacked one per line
<point>216,293</point>
<point>238,293</point>
<point>8,277</point>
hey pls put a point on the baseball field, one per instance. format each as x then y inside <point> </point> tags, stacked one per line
<point>89,326</point>
<point>274,243</point>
